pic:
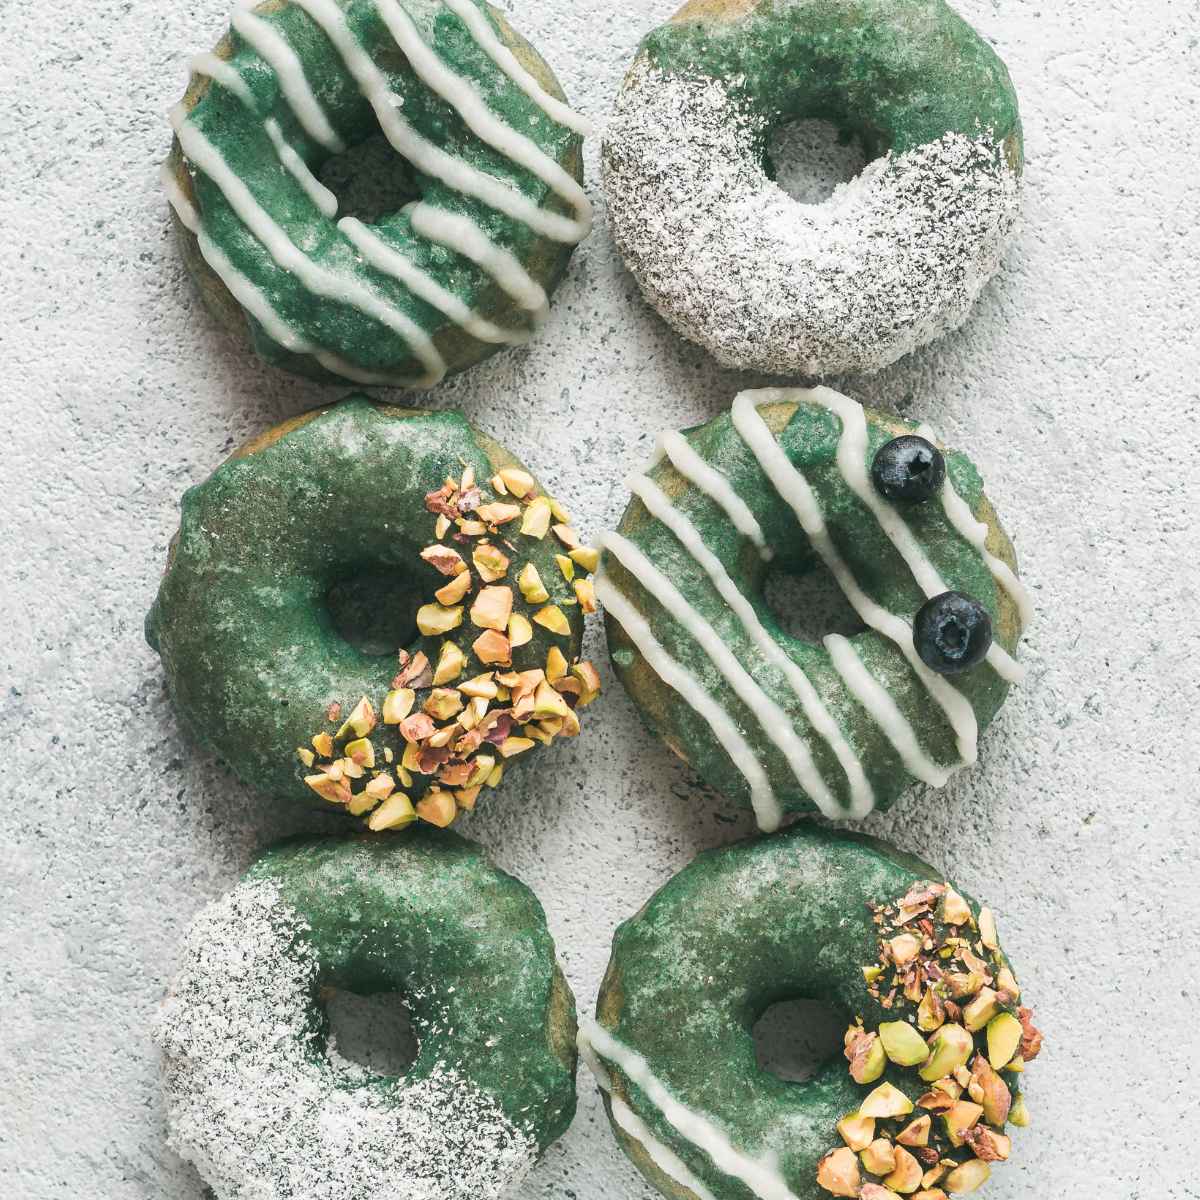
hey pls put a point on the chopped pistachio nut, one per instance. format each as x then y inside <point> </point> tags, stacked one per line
<point>492,647</point>
<point>981,1010</point>
<point>903,1044</point>
<point>336,791</point>
<point>857,1131</point>
<point>495,776</point>
<point>434,619</point>
<point>536,521</point>
<point>567,536</point>
<point>959,1118</point>
<point>566,566</point>
<point>838,1173</point>
<point>491,562</point>
<point>879,1157</point>
<point>517,483</point>
<point>306,756</point>
<point>450,664</point>
<point>1004,1035</point>
<point>512,746</point>
<point>530,583</point>
<point>589,679</point>
<point>451,593</point>
<point>552,618</point>
<point>394,813</point>
<point>955,910</point>
<point>444,559</point>
<point>886,1101</point>
<point>916,1133</point>
<point>397,704</point>
<point>949,1048</point>
<point>968,1177</point>
<point>323,744</point>
<point>438,808</point>
<point>987,929</point>
<point>905,1175</point>
<point>585,593</point>
<point>556,665</point>
<point>361,752</point>
<point>586,557</point>
<point>443,703</point>
<point>498,513</point>
<point>360,722</point>
<point>467,797</point>
<point>492,608</point>
<point>520,632</point>
<point>483,686</point>
<point>1018,1114</point>
<point>361,804</point>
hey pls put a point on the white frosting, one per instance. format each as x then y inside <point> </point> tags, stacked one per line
<point>772,719</point>
<point>316,278</point>
<point>862,796</point>
<point>293,83</point>
<point>795,490</point>
<point>852,451</point>
<point>713,484</point>
<point>959,514</point>
<point>676,676</point>
<point>761,1176</point>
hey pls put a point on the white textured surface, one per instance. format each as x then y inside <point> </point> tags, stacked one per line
<point>1074,386</point>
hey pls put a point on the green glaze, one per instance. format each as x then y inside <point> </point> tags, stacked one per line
<point>242,622</point>
<point>428,916</point>
<point>239,135</point>
<point>895,73</point>
<point>809,434</point>
<point>692,972</point>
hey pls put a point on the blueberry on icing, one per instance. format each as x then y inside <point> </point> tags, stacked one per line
<point>952,633</point>
<point>908,470</point>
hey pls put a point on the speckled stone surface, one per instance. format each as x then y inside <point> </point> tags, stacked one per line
<point>1073,385</point>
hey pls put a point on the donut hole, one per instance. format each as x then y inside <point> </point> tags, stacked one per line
<point>795,1038</point>
<point>370,180</point>
<point>810,159</point>
<point>375,611</point>
<point>810,605</point>
<point>373,1033</point>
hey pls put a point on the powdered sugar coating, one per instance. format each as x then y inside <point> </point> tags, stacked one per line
<point>266,1111</point>
<point>892,260</point>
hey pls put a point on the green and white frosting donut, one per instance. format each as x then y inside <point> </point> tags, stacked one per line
<point>464,265</point>
<point>767,719</point>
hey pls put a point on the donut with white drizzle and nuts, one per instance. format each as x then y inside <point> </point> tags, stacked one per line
<point>893,259</point>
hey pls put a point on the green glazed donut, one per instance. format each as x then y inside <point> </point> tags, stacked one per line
<point>936,1041</point>
<point>476,240</point>
<point>893,259</point>
<point>785,480</point>
<point>257,1097</point>
<point>333,539</point>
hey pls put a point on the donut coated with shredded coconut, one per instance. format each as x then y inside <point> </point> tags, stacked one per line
<point>266,1110</point>
<point>892,260</point>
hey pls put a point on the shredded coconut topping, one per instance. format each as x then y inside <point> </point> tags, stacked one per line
<point>892,260</point>
<point>256,1100</point>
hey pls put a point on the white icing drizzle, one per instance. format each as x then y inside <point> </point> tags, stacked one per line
<point>462,96</point>
<point>287,254</point>
<point>959,514</point>
<point>663,1157</point>
<point>884,711</point>
<point>773,720</point>
<point>852,462</point>
<point>862,796</point>
<point>713,484</point>
<point>463,236</point>
<point>423,154</point>
<point>185,210</point>
<point>795,490</point>
<point>676,676</point>
<point>763,1178</point>
<point>506,60</point>
<point>390,261</point>
<point>293,83</point>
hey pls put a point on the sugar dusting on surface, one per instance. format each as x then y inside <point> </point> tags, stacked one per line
<point>893,259</point>
<point>256,1102</point>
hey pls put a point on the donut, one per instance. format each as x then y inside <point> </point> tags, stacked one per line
<point>338,538</point>
<point>487,208</point>
<point>257,1096</point>
<point>893,259</point>
<point>936,1044</point>
<point>796,481</point>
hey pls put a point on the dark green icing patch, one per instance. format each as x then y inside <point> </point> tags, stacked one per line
<point>895,73</point>
<point>242,140</point>
<point>738,930</point>
<point>465,943</point>
<point>808,433</point>
<point>251,613</point>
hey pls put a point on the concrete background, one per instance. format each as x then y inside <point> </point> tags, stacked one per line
<point>1074,387</point>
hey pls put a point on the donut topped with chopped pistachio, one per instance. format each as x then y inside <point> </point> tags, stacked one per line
<point>378,609</point>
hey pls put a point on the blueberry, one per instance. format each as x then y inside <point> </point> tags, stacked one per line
<point>952,633</point>
<point>908,470</point>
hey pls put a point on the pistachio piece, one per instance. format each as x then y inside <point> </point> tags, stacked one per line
<point>443,703</point>
<point>437,808</point>
<point>360,722</point>
<point>451,593</point>
<point>886,1101</point>
<point>397,704</point>
<point>435,619</point>
<point>381,787</point>
<point>306,756</point>
<point>1006,981</point>
<point>444,559</point>
<point>566,566</point>
<point>520,632</point>
<point>916,1133</point>
<point>492,647</point>
<point>1031,1042</point>
<point>902,1044</point>
<point>1018,1114</point>
<point>870,974</point>
<point>955,910</point>
<point>959,1119</point>
<point>556,664</point>
<point>441,527</point>
<point>352,769</point>
<point>498,512</point>
<point>982,1009</point>
<point>323,744</point>
<point>548,703</point>
<point>935,1174</point>
<point>536,521</point>
<point>361,804</point>
<point>1004,1034</point>
<point>838,1173</point>
<point>930,1194</point>
<point>567,536</point>
<point>482,766</point>
<point>336,791</point>
<point>551,617</point>
<point>587,557</point>
<point>857,1131</point>
<point>394,813</point>
<point>931,1012</point>
<point>416,728</point>
<point>904,948</point>
<point>495,776</point>
<point>589,680</point>
<point>492,608</point>
<point>361,752</point>
<point>949,1048</point>
<point>963,986</point>
<point>879,1157</point>
<point>512,746</point>
<point>1016,1065</point>
<point>490,561</point>
<point>585,593</point>
<point>993,1092</point>
<point>530,583</point>
<point>471,528</point>
<point>482,686</point>
<point>519,483</point>
<point>466,797</point>
<point>987,1145</point>
<point>905,1176</point>
<point>968,1177</point>
<point>987,929</point>
<point>876,1191</point>
<point>450,664</point>
<point>866,1054</point>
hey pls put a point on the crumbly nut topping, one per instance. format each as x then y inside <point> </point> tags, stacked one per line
<point>957,1025</point>
<point>444,728</point>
